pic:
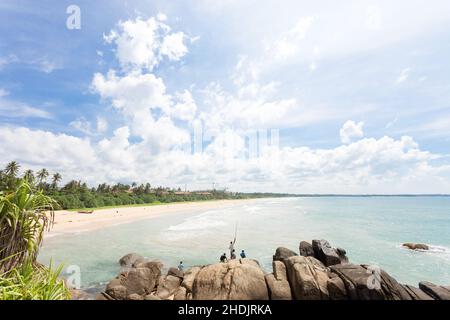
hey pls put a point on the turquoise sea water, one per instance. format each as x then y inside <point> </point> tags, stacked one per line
<point>371,229</point>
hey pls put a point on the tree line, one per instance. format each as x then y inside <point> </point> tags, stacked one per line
<point>77,194</point>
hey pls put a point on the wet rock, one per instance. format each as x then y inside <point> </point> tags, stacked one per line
<point>416,246</point>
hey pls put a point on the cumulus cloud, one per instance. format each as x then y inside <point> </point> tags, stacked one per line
<point>351,130</point>
<point>369,164</point>
<point>144,43</point>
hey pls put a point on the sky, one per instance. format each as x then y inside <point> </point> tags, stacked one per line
<point>291,96</point>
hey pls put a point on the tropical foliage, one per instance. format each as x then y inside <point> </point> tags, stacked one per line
<point>24,216</point>
<point>76,194</point>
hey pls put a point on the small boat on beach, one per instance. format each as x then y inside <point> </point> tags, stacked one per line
<point>86,211</point>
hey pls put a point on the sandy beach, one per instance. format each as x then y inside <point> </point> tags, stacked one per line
<point>69,221</point>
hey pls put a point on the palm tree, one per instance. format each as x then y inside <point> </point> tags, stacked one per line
<point>56,178</point>
<point>42,175</point>
<point>29,176</point>
<point>12,169</point>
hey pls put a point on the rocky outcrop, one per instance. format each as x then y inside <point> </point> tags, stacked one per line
<point>131,260</point>
<point>308,278</point>
<point>283,253</point>
<point>320,272</point>
<point>240,279</point>
<point>328,255</point>
<point>436,292</point>
<point>416,246</point>
<point>277,282</point>
<point>306,249</point>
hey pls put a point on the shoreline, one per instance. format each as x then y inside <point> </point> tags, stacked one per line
<point>67,221</point>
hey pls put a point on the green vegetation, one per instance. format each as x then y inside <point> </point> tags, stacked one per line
<point>24,216</point>
<point>77,195</point>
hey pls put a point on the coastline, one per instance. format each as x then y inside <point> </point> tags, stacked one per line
<point>67,221</point>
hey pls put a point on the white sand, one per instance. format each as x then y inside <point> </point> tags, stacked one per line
<point>69,222</point>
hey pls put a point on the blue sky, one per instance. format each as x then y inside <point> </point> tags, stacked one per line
<point>358,92</point>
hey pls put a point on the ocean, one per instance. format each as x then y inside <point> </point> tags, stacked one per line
<point>371,229</point>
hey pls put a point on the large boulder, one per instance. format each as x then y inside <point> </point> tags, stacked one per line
<point>136,280</point>
<point>234,280</point>
<point>277,283</point>
<point>168,287</point>
<point>180,294</point>
<point>416,293</point>
<point>363,282</point>
<point>336,287</point>
<point>306,249</point>
<point>176,273</point>
<point>189,277</point>
<point>308,278</point>
<point>327,254</point>
<point>131,260</point>
<point>435,291</point>
<point>283,253</point>
<point>416,246</point>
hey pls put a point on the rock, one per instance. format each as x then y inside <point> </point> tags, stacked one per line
<point>435,291</point>
<point>283,253</point>
<point>135,296</point>
<point>336,287</point>
<point>77,294</point>
<point>168,287</point>
<point>151,297</point>
<point>416,293</point>
<point>152,265</point>
<point>328,255</point>
<point>140,280</point>
<point>117,292</point>
<point>306,249</point>
<point>189,276</point>
<point>131,260</point>
<point>180,294</point>
<point>364,282</point>
<point>234,280</point>
<point>279,270</point>
<point>416,246</point>
<point>278,289</point>
<point>176,273</point>
<point>103,296</point>
<point>307,277</point>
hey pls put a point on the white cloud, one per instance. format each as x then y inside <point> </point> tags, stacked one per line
<point>351,130</point>
<point>366,166</point>
<point>144,43</point>
<point>374,18</point>
<point>16,109</point>
<point>102,125</point>
<point>186,108</point>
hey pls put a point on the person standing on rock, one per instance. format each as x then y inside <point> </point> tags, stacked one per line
<point>180,266</point>
<point>233,255</point>
<point>243,255</point>
<point>231,247</point>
